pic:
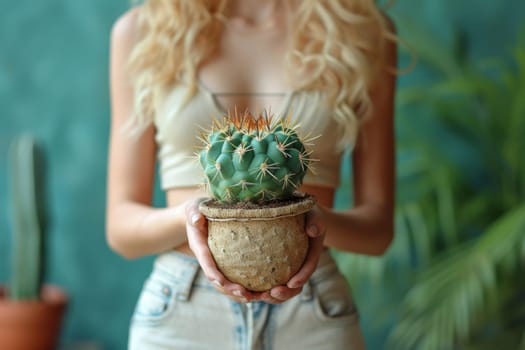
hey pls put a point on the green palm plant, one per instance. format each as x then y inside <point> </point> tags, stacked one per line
<point>424,209</point>
<point>472,292</point>
<point>459,252</point>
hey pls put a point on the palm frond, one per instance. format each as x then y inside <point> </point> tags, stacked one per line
<point>461,288</point>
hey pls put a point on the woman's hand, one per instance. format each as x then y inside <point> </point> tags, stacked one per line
<point>315,229</point>
<point>197,232</point>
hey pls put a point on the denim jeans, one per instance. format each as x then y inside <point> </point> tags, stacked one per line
<point>178,308</point>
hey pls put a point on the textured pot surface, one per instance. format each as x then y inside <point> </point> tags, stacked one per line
<point>258,248</point>
<point>32,325</point>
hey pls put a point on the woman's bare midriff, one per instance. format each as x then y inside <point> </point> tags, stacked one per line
<point>324,196</point>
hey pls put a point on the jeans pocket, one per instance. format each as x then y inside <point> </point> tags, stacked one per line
<point>333,300</point>
<point>155,301</point>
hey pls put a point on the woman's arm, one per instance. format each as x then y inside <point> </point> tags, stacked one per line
<point>368,227</point>
<point>133,227</point>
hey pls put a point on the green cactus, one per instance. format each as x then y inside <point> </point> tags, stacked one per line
<point>248,159</point>
<point>26,209</point>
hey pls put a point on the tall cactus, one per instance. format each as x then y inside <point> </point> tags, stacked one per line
<point>253,159</point>
<point>27,219</point>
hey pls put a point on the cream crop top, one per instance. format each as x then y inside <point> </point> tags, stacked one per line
<point>178,127</point>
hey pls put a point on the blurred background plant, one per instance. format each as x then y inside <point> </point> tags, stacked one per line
<point>454,277</point>
<point>27,219</point>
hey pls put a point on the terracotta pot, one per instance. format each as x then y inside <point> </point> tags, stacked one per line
<point>32,325</point>
<point>258,248</point>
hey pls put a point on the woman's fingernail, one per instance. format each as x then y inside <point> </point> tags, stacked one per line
<point>195,218</point>
<point>294,285</point>
<point>237,293</point>
<point>217,283</point>
<point>279,296</point>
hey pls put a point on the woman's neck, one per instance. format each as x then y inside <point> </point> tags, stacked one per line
<point>254,13</point>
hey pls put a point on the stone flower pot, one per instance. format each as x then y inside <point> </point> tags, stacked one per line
<point>258,247</point>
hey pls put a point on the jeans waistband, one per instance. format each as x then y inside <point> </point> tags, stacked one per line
<point>186,270</point>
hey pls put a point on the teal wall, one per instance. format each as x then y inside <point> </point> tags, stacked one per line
<point>53,83</point>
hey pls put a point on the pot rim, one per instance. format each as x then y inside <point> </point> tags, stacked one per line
<point>213,213</point>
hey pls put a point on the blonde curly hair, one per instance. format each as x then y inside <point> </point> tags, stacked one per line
<point>340,44</point>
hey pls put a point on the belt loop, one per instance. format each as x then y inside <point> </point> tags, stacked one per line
<point>188,274</point>
<point>181,271</point>
<point>307,293</point>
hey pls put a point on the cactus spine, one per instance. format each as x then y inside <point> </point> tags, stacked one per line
<point>253,159</point>
<point>25,165</point>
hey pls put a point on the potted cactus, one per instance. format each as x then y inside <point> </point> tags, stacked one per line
<point>253,168</point>
<point>30,312</point>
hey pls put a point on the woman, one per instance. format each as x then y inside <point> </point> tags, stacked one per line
<point>177,63</point>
